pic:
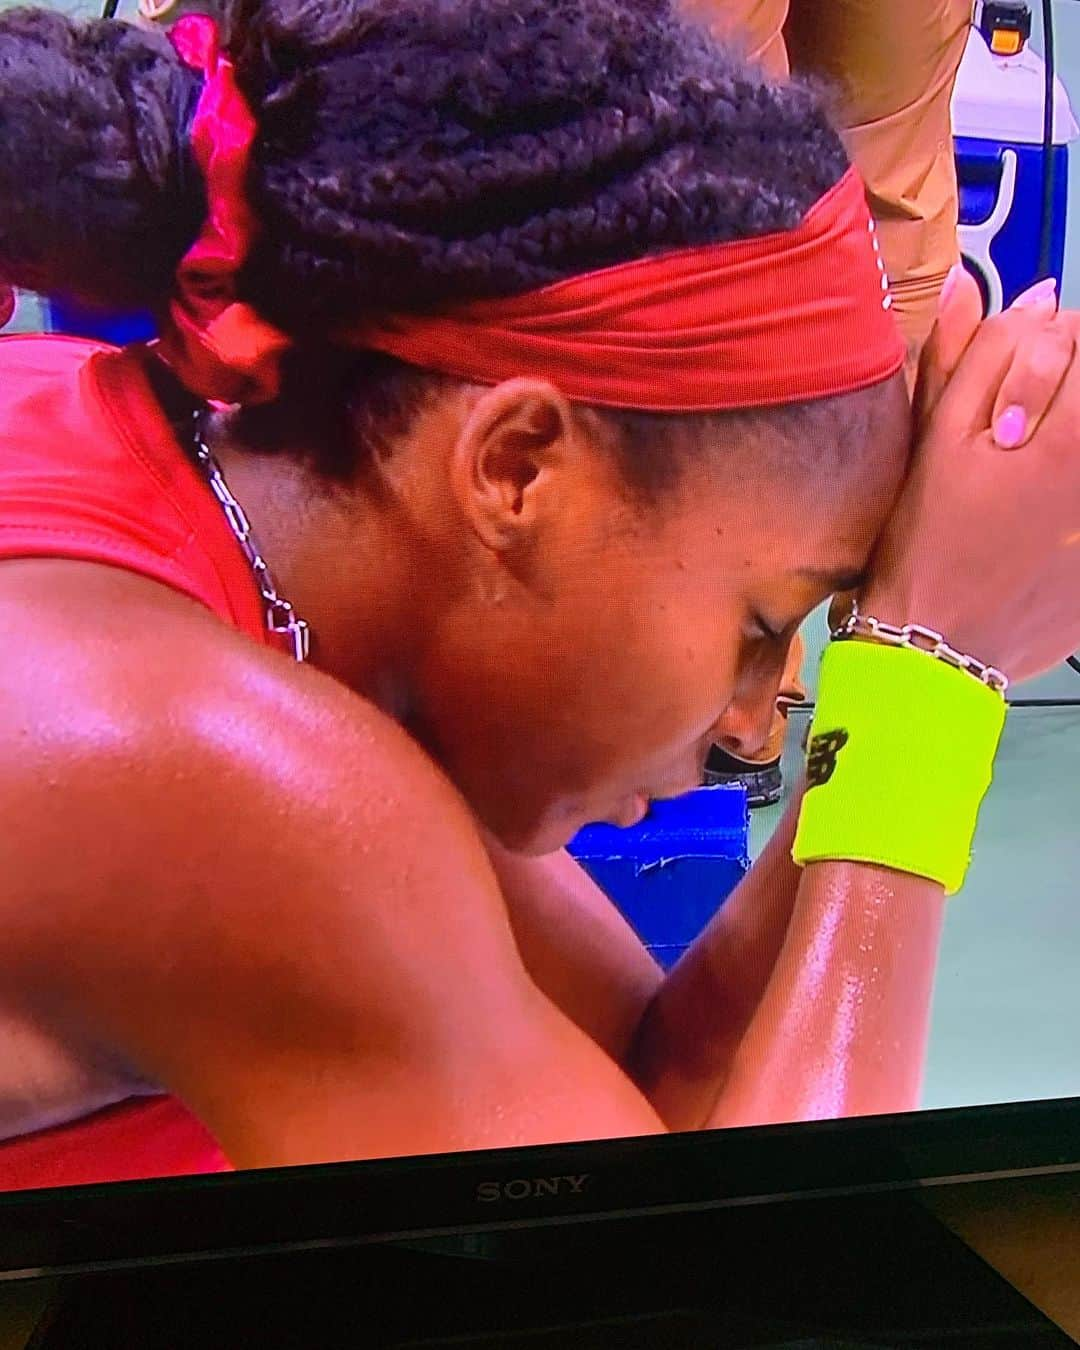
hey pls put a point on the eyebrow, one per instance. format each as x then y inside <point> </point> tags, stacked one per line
<point>835,581</point>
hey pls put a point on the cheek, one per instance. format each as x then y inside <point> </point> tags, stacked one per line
<point>674,665</point>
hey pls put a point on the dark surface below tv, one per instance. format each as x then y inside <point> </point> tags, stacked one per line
<point>869,1273</point>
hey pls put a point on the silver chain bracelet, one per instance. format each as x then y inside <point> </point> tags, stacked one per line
<point>920,639</point>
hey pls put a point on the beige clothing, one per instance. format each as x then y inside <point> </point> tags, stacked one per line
<point>893,67</point>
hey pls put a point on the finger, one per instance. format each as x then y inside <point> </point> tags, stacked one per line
<point>968,402</point>
<point>959,316</point>
<point>1031,384</point>
<point>1042,293</point>
<point>959,321</point>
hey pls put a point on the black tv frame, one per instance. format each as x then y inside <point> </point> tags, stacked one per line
<point>87,1228</point>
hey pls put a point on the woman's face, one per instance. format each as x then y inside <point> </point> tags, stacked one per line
<point>603,646</point>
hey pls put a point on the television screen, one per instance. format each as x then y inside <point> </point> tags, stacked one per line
<point>538,616</point>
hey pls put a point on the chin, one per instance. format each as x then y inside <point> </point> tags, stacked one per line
<point>537,836</point>
<point>538,841</point>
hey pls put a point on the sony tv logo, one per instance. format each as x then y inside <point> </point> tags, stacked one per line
<point>533,1188</point>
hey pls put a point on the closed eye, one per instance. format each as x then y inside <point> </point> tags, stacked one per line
<point>768,633</point>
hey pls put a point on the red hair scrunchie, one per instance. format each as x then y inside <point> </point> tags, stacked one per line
<point>218,346</point>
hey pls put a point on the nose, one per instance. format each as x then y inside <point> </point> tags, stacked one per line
<point>744,726</point>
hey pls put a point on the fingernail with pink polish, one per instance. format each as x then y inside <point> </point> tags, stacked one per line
<point>1045,293</point>
<point>1010,428</point>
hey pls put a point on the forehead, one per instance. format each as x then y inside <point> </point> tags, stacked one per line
<point>863,435</point>
<point>809,487</point>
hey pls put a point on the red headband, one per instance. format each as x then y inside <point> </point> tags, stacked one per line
<point>782,318</point>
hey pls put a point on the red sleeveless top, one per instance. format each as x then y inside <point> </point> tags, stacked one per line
<point>90,469</point>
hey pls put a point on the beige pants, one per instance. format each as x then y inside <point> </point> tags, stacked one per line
<point>893,66</point>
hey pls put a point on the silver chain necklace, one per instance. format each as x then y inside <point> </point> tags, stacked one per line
<point>281,618</point>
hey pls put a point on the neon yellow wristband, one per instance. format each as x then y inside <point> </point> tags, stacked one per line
<point>901,754</point>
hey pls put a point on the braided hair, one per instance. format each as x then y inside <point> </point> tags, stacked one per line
<point>409,153</point>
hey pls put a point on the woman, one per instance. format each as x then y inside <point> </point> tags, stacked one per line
<point>509,313</point>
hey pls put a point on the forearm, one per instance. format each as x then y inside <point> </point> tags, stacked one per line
<point>691,1029</point>
<point>842,1027</point>
<point>808,996</point>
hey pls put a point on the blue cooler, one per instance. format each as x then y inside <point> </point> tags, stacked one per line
<point>118,329</point>
<point>670,874</point>
<point>997,115</point>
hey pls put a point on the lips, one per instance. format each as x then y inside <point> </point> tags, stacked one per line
<point>633,809</point>
<point>631,812</point>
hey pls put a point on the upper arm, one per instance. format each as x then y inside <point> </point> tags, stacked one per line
<point>268,899</point>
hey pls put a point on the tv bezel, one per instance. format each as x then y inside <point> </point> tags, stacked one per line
<point>87,1228</point>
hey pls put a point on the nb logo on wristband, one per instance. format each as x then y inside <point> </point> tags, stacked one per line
<point>821,759</point>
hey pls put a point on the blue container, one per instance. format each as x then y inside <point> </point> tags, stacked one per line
<point>997,115</point>
<point>117,329</point>
<point>670,874</point>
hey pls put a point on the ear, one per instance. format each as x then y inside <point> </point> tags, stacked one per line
<point>507,460</point>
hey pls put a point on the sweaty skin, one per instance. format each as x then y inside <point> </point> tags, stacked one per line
<point>247,883</point>
<point>352,982</point>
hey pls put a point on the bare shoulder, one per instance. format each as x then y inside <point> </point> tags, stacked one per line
<point>148,754</point>
<point>258,891</point>
<point>99,661</point>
